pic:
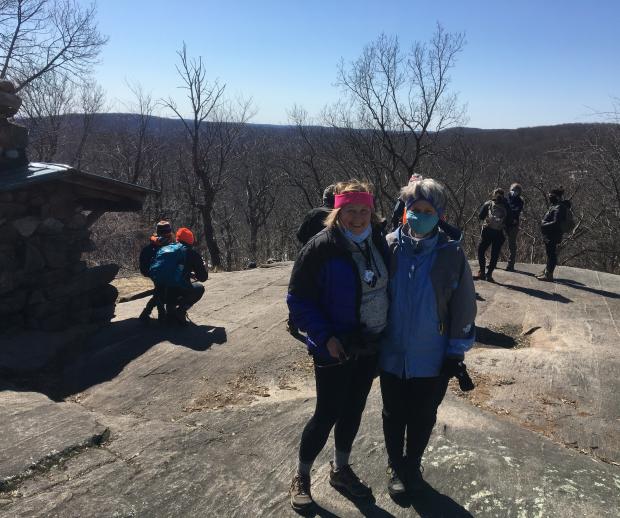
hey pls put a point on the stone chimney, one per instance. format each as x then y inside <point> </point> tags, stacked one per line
<point>13,137</point>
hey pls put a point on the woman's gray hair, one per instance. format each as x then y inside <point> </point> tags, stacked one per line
<point>428,189</point>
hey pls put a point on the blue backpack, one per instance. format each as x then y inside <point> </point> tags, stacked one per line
<point>168,267</point>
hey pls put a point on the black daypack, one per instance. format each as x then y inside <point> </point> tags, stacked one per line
<point>496,218</point>
<point>568,221</point>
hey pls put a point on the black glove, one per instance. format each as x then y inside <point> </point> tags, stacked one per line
<point>455,368</point>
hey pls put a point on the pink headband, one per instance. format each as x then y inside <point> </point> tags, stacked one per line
<point>357,198</point>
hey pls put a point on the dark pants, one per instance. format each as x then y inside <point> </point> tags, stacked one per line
<point>409,407</point>
<point>341,392</point>
<point>183,298</point>
<point>511,233</point>
<point>158,300</point>
<point>551,246</point>
<point>494,238</point>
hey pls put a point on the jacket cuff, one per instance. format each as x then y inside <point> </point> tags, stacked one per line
<point>457,347</point>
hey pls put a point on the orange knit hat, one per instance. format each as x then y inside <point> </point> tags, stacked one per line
<point>184,235</point>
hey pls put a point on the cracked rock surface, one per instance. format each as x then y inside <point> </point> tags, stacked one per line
<point>205,420</point>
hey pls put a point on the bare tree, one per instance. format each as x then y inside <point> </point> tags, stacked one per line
<point>212,133</point>
<point>47,101</point>
<point>261,183</point>
<point>142,111</point>
<point>92,100</point>
<point>42,36</point>
<point>402,97</point>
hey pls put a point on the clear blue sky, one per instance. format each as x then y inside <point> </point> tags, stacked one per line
<point>526,63</point>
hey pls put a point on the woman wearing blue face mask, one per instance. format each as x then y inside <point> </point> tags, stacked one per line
<point>338,295</point>
<point>430,326</point>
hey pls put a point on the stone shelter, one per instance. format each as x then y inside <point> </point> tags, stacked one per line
<point>46,211</point>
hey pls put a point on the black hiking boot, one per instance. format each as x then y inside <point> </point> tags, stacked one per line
<point>545,276</point>
<point>510,267</point>
<point>489,276</point>
<point>479,276</point>
<point>177,317</point>
<point>344,479</point>
<point>415,481</point>
<point>301,498</point>
<point>396,486</point>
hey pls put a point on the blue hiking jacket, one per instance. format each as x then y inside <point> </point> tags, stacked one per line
<point>432,305</point>
<point>325,291</point>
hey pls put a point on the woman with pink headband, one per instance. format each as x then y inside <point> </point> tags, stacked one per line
<point>338,296</point>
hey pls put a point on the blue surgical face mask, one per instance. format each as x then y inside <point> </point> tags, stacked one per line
<point>357,238</point>
<point>422,223</point>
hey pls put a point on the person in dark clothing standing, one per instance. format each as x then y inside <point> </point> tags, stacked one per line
<point>314,221</point>
<point>495,215</point>
<point>163,236</point>
<point>515,202</point>
<point>551,228</point>
<point>398,213</point>
<point>180,298</point>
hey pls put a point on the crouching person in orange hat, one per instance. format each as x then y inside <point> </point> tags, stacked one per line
<point>174,267</point>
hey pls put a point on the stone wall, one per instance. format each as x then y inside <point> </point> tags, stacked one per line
<point>44,283</point>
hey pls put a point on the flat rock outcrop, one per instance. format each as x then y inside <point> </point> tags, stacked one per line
<point>205,420</point>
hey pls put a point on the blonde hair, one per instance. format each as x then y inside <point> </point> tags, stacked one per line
<point>352,185</point>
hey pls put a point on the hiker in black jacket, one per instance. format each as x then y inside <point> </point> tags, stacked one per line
<point>180,299</point>
<point>314,221</point>
<point>516,207</point>
<point>163,236</point>
<point>495,215</point>
<point>551,228</point>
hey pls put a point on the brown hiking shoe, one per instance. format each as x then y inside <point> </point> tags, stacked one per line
<point>301,498</point>
<point>346,480</point>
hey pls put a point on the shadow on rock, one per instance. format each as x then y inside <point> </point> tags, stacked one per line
<point>430,503</point>
<point>487,336</point>
<point>105,355</point>
<point>539,294</point>
<point>581,286</point>
<point>366,506</point>
<point>317,510</point>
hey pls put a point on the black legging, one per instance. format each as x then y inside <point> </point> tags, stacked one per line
<point>184,298</point>
<point>409,406</point>
<point>494,238</point>
<point>158,300</point>
<point>341,392</point>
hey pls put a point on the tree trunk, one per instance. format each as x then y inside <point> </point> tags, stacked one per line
<point>214,249</point>
<point>253,242</point>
